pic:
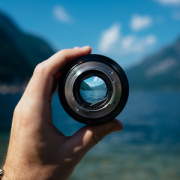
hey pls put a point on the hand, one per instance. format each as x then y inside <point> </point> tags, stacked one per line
<point>37,149</point>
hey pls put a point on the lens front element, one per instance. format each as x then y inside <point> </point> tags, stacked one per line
<point>93,89</point>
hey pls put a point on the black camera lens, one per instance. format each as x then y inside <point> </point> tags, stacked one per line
<point>93,89</point>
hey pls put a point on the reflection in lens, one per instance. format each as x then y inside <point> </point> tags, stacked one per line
<point>93,89</point>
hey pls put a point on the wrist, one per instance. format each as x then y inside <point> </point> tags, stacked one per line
<point>17,173</point>
<point>31,173</point>
<point>9,174</point>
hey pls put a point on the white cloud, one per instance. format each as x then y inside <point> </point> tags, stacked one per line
<point>128,44</point>
<point>128,41</point>
<point>140,22</point>
<point>176,15</point>
<point>61,14</point>
<point>109,37</point>
<point>96,79</point>
<point>169,2</point>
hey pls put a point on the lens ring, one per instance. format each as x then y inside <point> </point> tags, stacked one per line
<point>109,69</point>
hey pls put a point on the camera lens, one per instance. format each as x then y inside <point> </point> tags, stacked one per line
<point>93,89</point>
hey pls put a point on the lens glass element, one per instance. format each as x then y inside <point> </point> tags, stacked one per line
<point>93,89</point>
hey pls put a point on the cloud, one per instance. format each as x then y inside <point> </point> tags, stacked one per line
<point>96,79</point>
<point>176,15</point>
<point>125,44</point>
<point>169,2</point>
<point>140,22</point>
<point>132,43</point>
<point>109,37</point>
<point>61,14</point>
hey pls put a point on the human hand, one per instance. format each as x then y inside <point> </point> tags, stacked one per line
<point>37,149</point>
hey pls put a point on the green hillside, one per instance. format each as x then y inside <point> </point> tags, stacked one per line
<point>100,87</point>
<point>85,87</point>
<point>159,71</point>
<point>19,52</point>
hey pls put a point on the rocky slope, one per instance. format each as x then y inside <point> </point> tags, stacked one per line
<point>159,71</point>
<point>85,87</point>
<point>19,52</point>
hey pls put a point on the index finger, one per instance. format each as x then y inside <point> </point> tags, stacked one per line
<point>61,59</point>
<point>41,83</point>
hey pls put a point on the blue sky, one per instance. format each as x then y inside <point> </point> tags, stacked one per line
<point>94,81</point>
<point>124,30</point>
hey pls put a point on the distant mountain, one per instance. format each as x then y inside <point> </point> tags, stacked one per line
<point>100,87</point>
<point>19,52</point>
<point>85,87</point>
<point>159,71</point>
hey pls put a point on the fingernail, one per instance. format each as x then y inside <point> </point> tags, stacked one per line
<point>85,47</point>
<point>76,47</point>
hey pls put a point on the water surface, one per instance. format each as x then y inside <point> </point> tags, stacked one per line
<point>93,96</point>
<point>148,147</point>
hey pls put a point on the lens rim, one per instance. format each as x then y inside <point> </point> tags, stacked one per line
<point>115,67</point>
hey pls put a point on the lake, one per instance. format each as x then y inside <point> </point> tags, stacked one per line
<point>93,96</point>
<point>148,147</point>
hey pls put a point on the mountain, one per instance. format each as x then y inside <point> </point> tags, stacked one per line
<point>85,87</point>
<point>100,87</point>
<point>159,71</point>
<point>19,52</point>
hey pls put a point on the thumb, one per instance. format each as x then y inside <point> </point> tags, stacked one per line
<point>87,137</point>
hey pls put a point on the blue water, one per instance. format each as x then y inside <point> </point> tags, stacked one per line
<point>148,147</point>
<point>93,96</point>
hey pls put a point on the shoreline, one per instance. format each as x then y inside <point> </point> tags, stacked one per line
<point>11,89</point>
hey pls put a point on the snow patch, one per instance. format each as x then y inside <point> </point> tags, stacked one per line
<point>160,68</point>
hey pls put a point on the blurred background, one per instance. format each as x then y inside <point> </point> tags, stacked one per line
<point>141,36</point>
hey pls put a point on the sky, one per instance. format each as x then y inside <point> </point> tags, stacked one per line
<point>124,30</point>
<point>94,81</point>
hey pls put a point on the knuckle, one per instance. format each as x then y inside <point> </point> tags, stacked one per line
<point>97,138</point>
<point>16,110</point>
<point>94,136</point>
<point>98,135</point>
<point>70,161</point>
<point>64,53</point>
<point>40,68</point>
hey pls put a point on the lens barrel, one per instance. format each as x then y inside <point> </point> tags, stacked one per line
<point>72,86</point>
